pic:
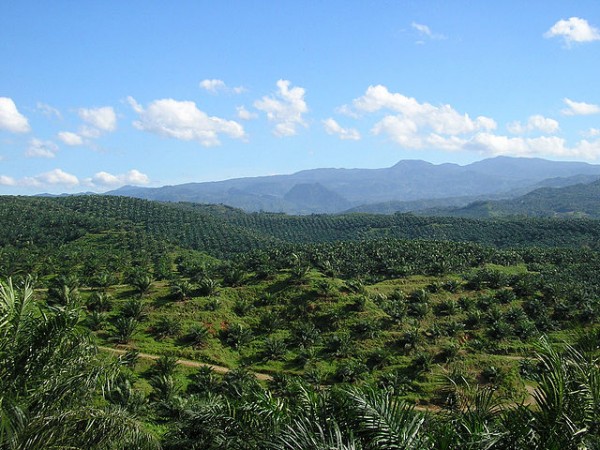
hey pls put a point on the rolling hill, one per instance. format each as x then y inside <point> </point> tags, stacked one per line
<point>579,200</point>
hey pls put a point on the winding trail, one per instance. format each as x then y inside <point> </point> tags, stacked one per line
<point>529,401</point>
<point>186,362</point>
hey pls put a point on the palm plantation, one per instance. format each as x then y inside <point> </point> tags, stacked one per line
<point>371,332</point>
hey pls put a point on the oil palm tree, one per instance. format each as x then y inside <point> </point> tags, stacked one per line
<point>50,381</point>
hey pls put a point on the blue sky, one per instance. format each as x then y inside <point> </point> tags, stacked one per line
<point>94,95</point>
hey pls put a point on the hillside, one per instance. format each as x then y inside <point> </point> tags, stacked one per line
<point>579,200</point>
<point>337,190</point>
<point>206,316</point>
<point>224,231</point>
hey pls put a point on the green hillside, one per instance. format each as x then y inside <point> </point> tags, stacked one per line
<point>580,200</point>
<point>223,320</point>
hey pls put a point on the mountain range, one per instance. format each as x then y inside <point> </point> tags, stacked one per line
<point>409,185</point>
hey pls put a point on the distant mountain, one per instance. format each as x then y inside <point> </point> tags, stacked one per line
<point>314,197</point>
<point>579,200</point>
<point>337,190</point>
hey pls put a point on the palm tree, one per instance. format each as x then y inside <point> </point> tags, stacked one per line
<point>50,381</point>
<point>124,329</point>
<point>181,289</point>
<point>142,283</point>
<point>567,403</point>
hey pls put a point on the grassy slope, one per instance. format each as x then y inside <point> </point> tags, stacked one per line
<point>377,346</point>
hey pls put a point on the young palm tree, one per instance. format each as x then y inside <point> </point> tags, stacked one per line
<point>567,403</point>
<point>50,381</point>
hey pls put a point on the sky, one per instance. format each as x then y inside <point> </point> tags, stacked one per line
<point>99,94</point>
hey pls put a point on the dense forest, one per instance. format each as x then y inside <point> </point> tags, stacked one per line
<point>127,323</point>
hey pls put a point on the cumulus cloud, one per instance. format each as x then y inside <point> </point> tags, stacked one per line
<point>62,179</point>
<point>105,179</point>
<point>103,119</point>
<point>97,122</point>
<point>579,108</point>
<point>183,120</point>
<point>285,108</point>
<point>424,30</point>
<point>215,86</point>
<point>41,149</point>
<point>545,146</point>
<point>70,138</point>
<point>572,30</point>
<point>534,123</point>
<point>7,181</point>
<point>11,119</point>
<point>332,127</point>
<point>414,121</point>
<point>56,177</point>
<point>244,114</point>
<point>416,125</point>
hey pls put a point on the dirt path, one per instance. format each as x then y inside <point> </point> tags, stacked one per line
<point>187,363</point>
<point>264,377</point>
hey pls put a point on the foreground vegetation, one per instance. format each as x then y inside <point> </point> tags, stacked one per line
<point>368,331</point>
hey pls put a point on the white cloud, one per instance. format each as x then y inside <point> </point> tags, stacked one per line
<point>89,132</point>
<point>52,178</point>
<point>244,114</point>
<point>424,30</point>
<point>543,146</point>
<point>534,123</point>
<point>415,121</point>
<point>332,127</point>
<point>103,119</point>
<point>592,132</point>
<point>401,130</point>
<point>48,110</point>
<point>183,120</point>
<point>285,108</point>
<point>418,125</point>
<point>7,181</point>
<point>98,121</point>
<point>10,118</point>
<point>215,86</point>
<point>579,108</point>
<point>70,138</point>
<point>59,177</point>
<point>572,30</point>
<point>41,149</point>
<point>105,179</point>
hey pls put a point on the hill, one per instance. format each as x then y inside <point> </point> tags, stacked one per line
<point>579,200</point>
